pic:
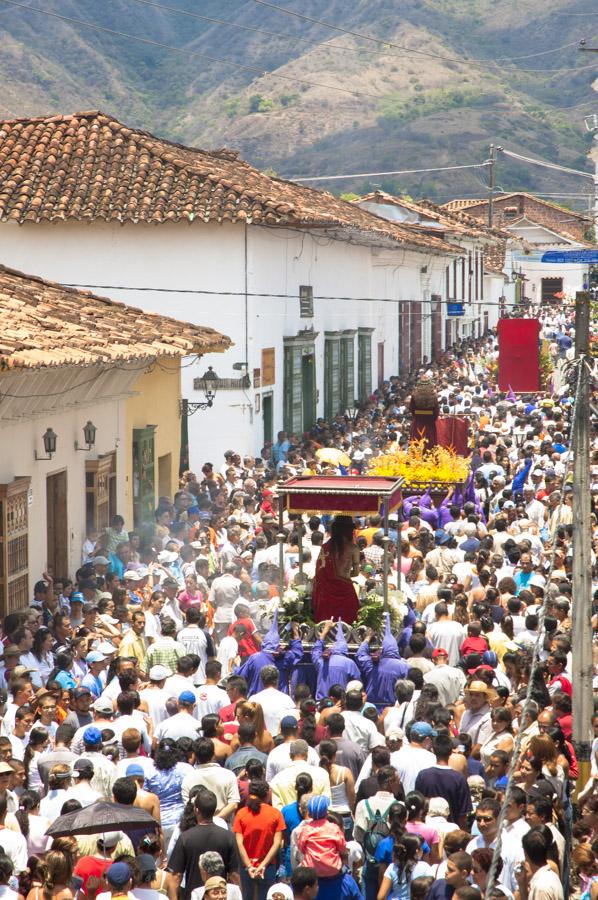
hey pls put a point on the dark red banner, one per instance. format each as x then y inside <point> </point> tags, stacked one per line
<point>452,432</point>
<point>518,355</point>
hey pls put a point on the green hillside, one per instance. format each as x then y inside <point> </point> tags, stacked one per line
<point>484,71</point>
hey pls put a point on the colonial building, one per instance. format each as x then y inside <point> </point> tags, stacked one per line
<point>89,419</point>
<point>540,226</point>
<point>310,288</point>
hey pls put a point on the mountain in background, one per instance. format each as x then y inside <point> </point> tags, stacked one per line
<point>484,71</point>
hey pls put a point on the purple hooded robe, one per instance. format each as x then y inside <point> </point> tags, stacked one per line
<point>336,668</point>
<point>271,655</point>
<point>380,677</point>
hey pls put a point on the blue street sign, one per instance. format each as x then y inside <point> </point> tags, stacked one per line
<point>570,256</point>
<point>455,309</point>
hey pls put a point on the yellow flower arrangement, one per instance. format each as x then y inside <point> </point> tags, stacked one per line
<point>418,465</point>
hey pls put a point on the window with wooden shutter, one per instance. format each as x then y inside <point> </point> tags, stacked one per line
<point>293,400</point>
<point>364,364</point>
<point>268,374</point>
<point>347,367</point>
<point>332,378</point>
<point>14,549</point>
<point>436,326</point>
<point>98,473</point>
<point>404,337</point>
<point>306,301</point>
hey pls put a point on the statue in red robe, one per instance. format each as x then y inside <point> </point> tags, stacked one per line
<point>424,412</point>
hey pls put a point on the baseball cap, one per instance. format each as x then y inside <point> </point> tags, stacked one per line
<point>354,685</point>
<point>135,770</point>
<point>11,650</point>
<point>119,874</point>
<point>508,504</point>
<point>422,730</point>
<point>102,705</point>
<point>92,735</point>
<point>317,806</point>
<point>288,722</point>
<point>94,656</point>
<point>187,697</point>
<point>77,597</point>
<point>146,863</point>
<point>216,881</point>
<point>439,651</point>
<point>100,561</point>
<point>81,692</point>
<point>5,769</point>
<point>159,673</point>
<point>111,838</point>
<point>106,648</point>
<point>83,767</point>
<point>131,575</point>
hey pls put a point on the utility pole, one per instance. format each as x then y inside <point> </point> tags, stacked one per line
<point>491,162</point>
<point>583,697</point>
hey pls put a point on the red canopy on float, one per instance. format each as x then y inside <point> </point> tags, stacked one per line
<point>356,495</point>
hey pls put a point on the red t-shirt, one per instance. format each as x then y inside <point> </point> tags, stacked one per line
<point>247,644</point>
<point>473,645</point>
<point>91,865</point>
<point>227,713</point>
<point>258,830</point>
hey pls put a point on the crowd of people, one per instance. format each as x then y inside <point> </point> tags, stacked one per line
<point>281,761</point>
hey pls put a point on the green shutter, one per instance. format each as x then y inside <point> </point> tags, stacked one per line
<point>332,384</point>
<point>365,366</point>
<point>347,371</point>
<point>293,400</point>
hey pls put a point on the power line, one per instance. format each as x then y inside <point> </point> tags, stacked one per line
<point>463,59</point>
<point>256,30</point>
<point>546,165</point>
<point>399,172</point>
<point>182,50</point>
<point>467,304</point>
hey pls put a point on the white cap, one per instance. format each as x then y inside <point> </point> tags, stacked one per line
<point>354,685</point>
<point>158,673</point>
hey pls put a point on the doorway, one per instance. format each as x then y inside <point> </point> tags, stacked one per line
<point>57,524</point>
<point>165,475</point>
<point>380,364</point>
<point>267,417</point>
<point>308,381</point>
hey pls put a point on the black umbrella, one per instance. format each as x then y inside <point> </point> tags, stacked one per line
<point>101,817</point>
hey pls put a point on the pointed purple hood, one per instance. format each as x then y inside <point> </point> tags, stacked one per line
<point>272,640</point>
<point>390,648</point>
<point>340,645</point>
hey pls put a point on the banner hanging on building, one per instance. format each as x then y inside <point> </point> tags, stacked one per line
<point>518,355</point>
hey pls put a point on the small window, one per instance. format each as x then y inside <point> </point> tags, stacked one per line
<point>510,212</point>
<point>306,301</point>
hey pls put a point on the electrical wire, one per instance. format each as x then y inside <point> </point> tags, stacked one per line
<point>399,172</point>
<point>74,387</point>
<point>196,292</point>
<point>462,59</point>
<point>546,165</point>
<point>183,50</point>
<point>492,873</point>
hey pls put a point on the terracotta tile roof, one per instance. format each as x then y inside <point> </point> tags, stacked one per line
<point>89,166</point>
<point>45,324</point>
<point>469,203</point>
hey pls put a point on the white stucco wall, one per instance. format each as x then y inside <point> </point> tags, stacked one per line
<point>19,441</point>
<point>229,260</point>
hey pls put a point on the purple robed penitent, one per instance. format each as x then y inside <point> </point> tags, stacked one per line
<point>335,668</point>
<point>380,676</point>
<point>271,655</point>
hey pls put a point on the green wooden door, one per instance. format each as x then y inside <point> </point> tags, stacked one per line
<point>308,379</point>
<point>347,372</point>
<point>293,390</point>
<point>267,417</point>
<point>332,379</point>
<point>143,476</point>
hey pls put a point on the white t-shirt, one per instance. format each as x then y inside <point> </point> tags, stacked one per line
<point>210,699</point>
<point>227,651</point>
<point>275,706</point>
<point>449,635</point>
<point>545,885</point>
<point>280,757</point>
<point>362,731</point>
<point>409,761</point>
<point>15,847</point>
<point>155,700</point>
<point>178,726</point>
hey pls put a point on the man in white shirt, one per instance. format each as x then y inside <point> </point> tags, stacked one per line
<point>446,633</point>
<point>224,592</point>
<point>274,703</point>
<point>534,509</point>
<point>476,718</point>
<point>183,723</point>
<point>154,696</point>
<point>209,697</point>
<point>280,757</point>
<point>358,729</point>
<point>449,680</point>
<point>537,881</point>
<point>194,640</point>
<point>415,756</point>
<point>82,790</point>
<point>215,778</point>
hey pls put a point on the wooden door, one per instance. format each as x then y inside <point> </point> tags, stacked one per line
<point>380,364</point>
<point>308,380</point>
<point>143,476</point>
<point>267,416</point>
<point>57,524</point>
<point>14,544</point>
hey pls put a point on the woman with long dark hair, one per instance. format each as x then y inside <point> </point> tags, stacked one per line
<point>342,784</point>
<point>293,815</point>
<point>333,591</point>
<point>42,650</point>
<point>259,830</point>
<point>417,807</point>
<point>406,865</point>
<point>33,826</point>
